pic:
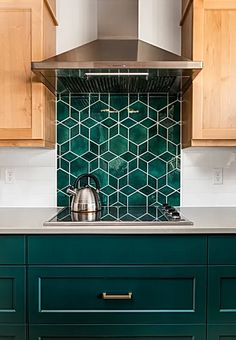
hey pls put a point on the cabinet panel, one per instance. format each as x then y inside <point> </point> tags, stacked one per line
<point>12,295</point>
<point>222,294</point>
<point>117,249</point>
<point>12,332</point>
<point>160,332</point>
<point>221,332</point>
<point>222,249</point>
<point>12,250</point>
<point>26,108</point>
<point>157,295</point>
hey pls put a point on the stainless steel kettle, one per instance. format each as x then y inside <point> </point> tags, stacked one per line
<point>85,199</point>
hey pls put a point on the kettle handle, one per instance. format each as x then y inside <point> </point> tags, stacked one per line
<point>88,175</point>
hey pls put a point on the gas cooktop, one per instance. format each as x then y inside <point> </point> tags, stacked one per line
<point>165,214</point>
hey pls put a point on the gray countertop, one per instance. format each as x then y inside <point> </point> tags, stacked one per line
<point>30,221</point>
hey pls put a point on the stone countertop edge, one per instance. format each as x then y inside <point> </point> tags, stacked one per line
<point>217,220</point>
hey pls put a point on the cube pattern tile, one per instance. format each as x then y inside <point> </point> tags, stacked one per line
<point>130,142</point>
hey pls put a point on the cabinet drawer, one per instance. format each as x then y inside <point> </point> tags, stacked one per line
<point>12,250</point>
<point>12,332</point>
<point>117,249</point>
<point>12,295</point>
<point>222,249</point>
<point>161,332</point>
<point>222,294</point>
<point>159,295</point>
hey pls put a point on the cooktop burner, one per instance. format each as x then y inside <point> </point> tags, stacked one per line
<point>135,214</point>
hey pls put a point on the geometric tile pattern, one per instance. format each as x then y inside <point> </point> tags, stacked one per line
<point>130,142</point>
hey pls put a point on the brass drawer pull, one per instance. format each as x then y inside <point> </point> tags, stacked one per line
<point>106,296</point>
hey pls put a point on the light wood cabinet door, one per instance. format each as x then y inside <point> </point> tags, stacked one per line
<point>27,108</point>
<point>209,108</point>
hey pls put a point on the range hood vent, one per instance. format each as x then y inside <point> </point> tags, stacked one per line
<point>117,62</point>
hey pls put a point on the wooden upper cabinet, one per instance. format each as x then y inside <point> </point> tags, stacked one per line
<point>209,107</point>
<point>27,110</point>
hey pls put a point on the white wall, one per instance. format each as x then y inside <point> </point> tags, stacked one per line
<point>78,23</point>
<point>159,23</point>
<point>197,177</point>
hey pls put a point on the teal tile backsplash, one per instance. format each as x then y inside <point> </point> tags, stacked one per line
<point>130,142</point>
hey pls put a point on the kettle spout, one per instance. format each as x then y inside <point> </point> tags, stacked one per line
<point>71,191</point>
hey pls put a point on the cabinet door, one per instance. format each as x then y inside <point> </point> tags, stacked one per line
<point>222,294</point>
<point>65,332</point>
<point>214,42</point>
<point>117,295</point>
<point>12,295</point>
<point>12,332</point>
<point>222,332</point>
<point>26,107</point>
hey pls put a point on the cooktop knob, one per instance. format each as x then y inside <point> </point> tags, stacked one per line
<point>175,215</point>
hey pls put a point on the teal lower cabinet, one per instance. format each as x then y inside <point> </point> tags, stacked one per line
<point>222,294</point>
<point>12,332</point>
<point>117,295</point>
<point>221,332</point>
<point>12,294</point>
<point>106,332</point>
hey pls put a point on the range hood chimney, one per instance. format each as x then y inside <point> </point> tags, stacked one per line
<point>117,62</point>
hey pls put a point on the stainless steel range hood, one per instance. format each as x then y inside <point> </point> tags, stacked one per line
<point>117,62</point>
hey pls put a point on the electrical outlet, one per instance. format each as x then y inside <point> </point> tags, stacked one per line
<point>218,176</point>
<point>10,176</point>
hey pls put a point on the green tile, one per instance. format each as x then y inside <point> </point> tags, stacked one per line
<point>174,134</point>
<point>118,167</point>
<point>62,199</point>
<point>128,122</point>
<point>108,156</point>
<point>94,148</point>
<point>84,114</point>
<point>109,122</point>
<point>138,134</point>
<point>147,190</point>
<point>174,179</point>
<point>157,145</point>
<point>137,199</point>
<point>62,111</point>
<point>69,156</point>
<point>157,102</point>
<point>124,132</point>
<point>99,134</point>
<point>62,179</point>
<point>128,190</point>
<point>138,111</point>
<point>62,133</point>
<point>98,111</point>
<point>79,145</point>
<point>89,122</point>
<point>70,122</point>
<point>157,168</point>
<point>123,145</point>
<point>102,177</point>
<point>137,179</point>
<point>79,166</point>
<point>128,156</point>
<point>84,131</point>
<point>119,102</point>
<point>118,145</point>
<point>148,123</point>
<point>89,156</point>
<point>174,199</point>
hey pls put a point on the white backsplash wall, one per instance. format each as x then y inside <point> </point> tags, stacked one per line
<point>197,177</point>
<point>35,177</point>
